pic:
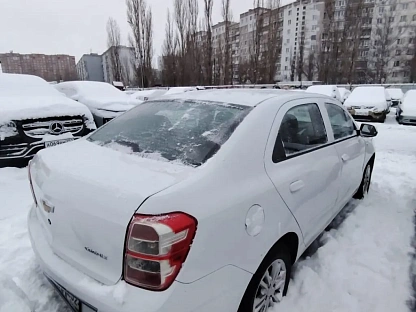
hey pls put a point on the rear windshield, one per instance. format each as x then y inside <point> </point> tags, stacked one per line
<point>189,132</point>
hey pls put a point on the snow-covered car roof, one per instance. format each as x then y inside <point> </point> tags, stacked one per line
<point>246,97</point>
<point>26,96</point>
<point>176,90</point>
<point>375,96</point>
<point>395,93</point>
<point>93,88</point>
<point>18,85</point>
<point>149,93</point>
<point>328,90</point>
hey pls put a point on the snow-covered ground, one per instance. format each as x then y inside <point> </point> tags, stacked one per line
<point>362,263</point>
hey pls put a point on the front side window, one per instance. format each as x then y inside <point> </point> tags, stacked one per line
<point>302,129</point>
<point>188,132</point>
<point>341,123</point>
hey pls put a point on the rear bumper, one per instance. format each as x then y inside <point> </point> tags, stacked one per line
<point>220,291</point>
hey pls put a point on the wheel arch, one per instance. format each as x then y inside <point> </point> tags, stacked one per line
<point>291,242</point>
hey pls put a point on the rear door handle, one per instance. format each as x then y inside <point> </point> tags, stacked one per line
<point>345,158</point>
<point>296,186</point>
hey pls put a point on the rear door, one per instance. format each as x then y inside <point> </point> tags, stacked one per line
<point>303,165</point>
<point>350,148</point>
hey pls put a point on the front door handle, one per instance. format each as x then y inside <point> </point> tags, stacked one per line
<point>296,186</point>
<point>345,157</point>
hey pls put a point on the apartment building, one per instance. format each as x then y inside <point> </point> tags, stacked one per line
<point>49,67</point>
<point>393,39</point>
<point>128,62</point>
<point>90,67</point>
<point>302,23</point>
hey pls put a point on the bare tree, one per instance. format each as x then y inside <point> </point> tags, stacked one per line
<point>273,40</point>
<point>208,4</point>
<point>411,67</point>
<point>169,56</point>
<point>255,48</point>
<point>192,52</point>
<point>139,17</point>
<point>114,43</point>
<point>227,46</point>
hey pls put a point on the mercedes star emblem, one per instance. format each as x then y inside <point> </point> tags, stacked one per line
<point>56,127</point>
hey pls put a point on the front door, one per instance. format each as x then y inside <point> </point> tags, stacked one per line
<point>351,150</point>
<point>303,166</point>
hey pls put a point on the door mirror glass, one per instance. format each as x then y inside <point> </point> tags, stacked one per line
<point>367,130</point>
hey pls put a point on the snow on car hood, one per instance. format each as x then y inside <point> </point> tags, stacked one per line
<point>367,97</point>
<point>114,104</point>
<point>95,191</point>
<point>31,107</point>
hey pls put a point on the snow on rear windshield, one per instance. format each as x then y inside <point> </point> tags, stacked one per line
<point>189,131</point>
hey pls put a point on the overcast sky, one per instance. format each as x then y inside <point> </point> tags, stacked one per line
<point>77,27</point>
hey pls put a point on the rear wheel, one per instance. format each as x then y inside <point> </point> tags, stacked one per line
<point>269,284</point>
<point>365,183</point>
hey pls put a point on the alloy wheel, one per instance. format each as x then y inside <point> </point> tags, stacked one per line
<point>271,287</point>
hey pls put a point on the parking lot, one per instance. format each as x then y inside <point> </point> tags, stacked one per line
<point>362,263</point>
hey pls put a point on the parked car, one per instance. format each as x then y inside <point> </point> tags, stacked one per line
<point>344,93</point>
<point>396,95</point>
<point>33,115</point>
<point>406,112</point>
<point>104,100</point>
<point>178,90</point>
<point>368,103</point>
<point>200,201</point>
<point>148,94</point>
<point>328,90</point>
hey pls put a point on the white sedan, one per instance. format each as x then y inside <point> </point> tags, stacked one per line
<point>188,203</point>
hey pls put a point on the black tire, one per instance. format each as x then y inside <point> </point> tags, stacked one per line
<point>364,187</point>
<point>279,252</point>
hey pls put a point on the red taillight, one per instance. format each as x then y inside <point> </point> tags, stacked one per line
<point>156,248</point>
<point>31,183</point>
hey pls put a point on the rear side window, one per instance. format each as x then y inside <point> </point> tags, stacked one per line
<point>341,123</point>
<point>302,129</point>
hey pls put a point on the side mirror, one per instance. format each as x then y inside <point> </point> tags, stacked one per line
<point>368,131</point>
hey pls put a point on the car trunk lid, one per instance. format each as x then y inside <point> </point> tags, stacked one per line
<point>86,201</point>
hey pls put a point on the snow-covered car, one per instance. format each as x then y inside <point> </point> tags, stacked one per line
<point>178,90</point>
<point>33,115</point>
<point>406,112</point>
<point>396,95</point>
<point>148,94</point>
<point>104,100</point>
<point>344,93</point>
<point>368,103</point>
<point>328,90</point>
<point>200,201</point>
